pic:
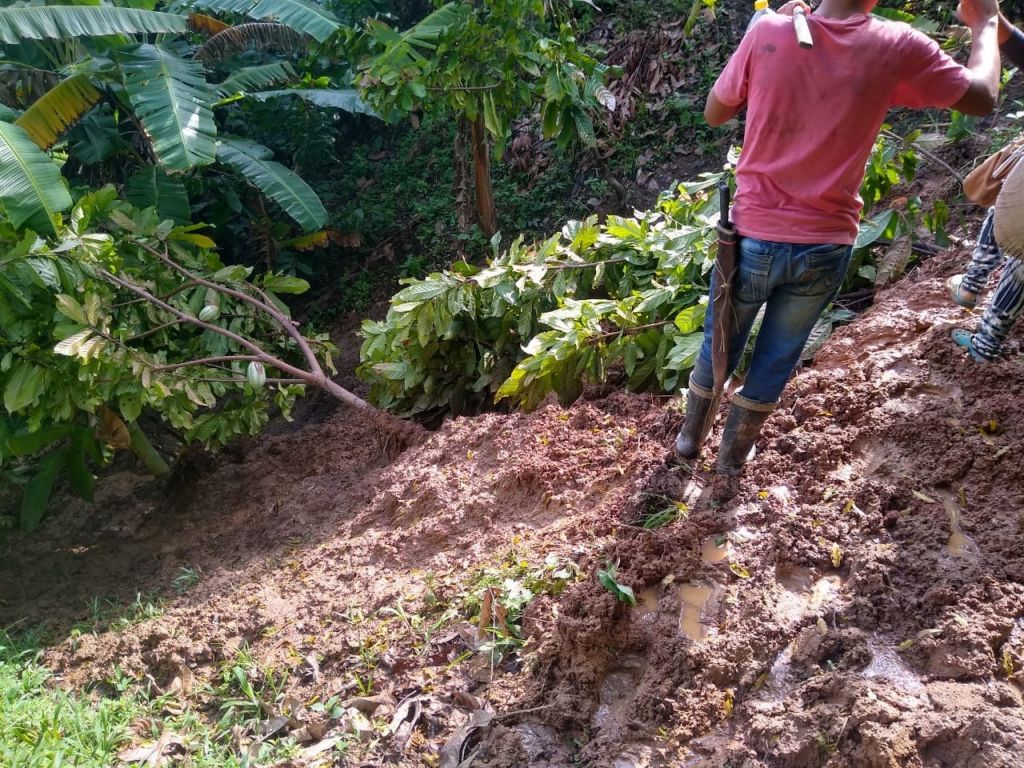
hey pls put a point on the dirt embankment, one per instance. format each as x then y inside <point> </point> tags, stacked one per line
<point>860,602</point>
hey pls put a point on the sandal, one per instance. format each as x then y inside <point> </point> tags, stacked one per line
<point>965,339</point>
<point>959,295</point>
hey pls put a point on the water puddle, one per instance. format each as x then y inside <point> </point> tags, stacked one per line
<point>960,544</point>
<point>887,665</point>
<point>803,592</point>
<point>780,676</point>
<point>647,601</point>
<point>716,549</point>
<point>617,689</point>
<point>693,598</point>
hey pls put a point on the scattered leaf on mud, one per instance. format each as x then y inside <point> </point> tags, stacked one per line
<point>155,753</point>
<point>960,620</point>
<point>728,703</point>
<point>848,508</point>
<point>369,705</point>
<point>739,570</point>
<point>1002,452</point>
<point>837,555</point>
<point>1008,669</point>
<point>925,498</point>
<point>408,714</point>
<point>763,494</point>
<point>486,614</point>
<point>361,728</point>
<point>310,732</point>
<point>761,680</point>
<point>822,626</point>
<point>906,645</point>
<point>319,748</point>
<point>462,744</point>
<point>468,701</point>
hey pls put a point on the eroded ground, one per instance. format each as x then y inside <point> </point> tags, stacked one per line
<point>860,602</point>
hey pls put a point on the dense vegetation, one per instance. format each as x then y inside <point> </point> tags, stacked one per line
<point>170,172</point>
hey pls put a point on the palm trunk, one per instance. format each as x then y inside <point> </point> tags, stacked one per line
<point>482,170</point>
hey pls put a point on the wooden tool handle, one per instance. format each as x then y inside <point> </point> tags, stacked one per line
<point>803,31</point>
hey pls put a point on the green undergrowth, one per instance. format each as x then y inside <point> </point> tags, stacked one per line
<point>42,725</point>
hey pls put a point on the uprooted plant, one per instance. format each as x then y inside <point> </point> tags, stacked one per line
<point>124,313</point>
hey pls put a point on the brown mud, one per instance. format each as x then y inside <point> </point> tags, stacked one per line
<point>859,602</point>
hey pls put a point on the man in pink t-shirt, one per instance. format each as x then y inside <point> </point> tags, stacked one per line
<point>812,117</point>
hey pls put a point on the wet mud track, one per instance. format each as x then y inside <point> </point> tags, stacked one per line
<point>859,602</point>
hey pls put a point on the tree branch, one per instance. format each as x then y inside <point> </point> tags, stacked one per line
<point>316,377</point>
<point>287,325</point>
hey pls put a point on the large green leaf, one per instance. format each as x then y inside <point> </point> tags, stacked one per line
<point>323,97</point>
<point>38,490</point>
<point>301,15</point>
<point>154,187</point>
<point>59,109</point>
<point>258,35</point>
<point>281,185</point>
<point>255,78</point>
<point>63,21</point>
<point>172,99</point>
<point>31,187</point>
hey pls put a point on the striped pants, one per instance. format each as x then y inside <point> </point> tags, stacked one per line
<point>1006,303</point>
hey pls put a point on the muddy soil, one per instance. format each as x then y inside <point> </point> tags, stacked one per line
<point>858,602</point>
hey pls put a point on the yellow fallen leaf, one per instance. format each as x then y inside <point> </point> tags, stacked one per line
<point>1007,663</point>
<point>906,645</point>
<point>763,494</point>
<point>848,507</point>
<point>837,555</point>
<point>925,497</point>
<point>739,570</point>
<point>728,704</point>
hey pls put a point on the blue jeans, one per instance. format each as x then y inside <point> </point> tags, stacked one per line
<point>797,282</point>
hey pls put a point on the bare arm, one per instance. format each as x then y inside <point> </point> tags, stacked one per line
<point>982,17</point>
<point>717,113</point>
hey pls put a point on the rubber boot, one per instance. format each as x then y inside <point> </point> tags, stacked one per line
<point>742,428</point>
<point>701,409</point>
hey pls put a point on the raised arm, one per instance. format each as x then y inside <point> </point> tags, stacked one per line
<point>982,18</point>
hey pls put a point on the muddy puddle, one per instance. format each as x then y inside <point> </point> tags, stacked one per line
<point>959,545</point>
<point>716,549</point>
<point>693,598</point>
<point>804,592</point>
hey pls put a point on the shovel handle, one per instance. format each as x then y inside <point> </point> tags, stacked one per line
<point>724,201</point>
<point>803,31</point>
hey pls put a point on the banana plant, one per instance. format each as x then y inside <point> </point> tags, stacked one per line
<point>102,69</point>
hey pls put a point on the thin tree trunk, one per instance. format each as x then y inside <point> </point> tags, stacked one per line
<point>482,169</point>
<point>463,197</point>
<point>144,450</point>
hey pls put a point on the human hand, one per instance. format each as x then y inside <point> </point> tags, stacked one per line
<point>977,13</point>
<point>789,8</point>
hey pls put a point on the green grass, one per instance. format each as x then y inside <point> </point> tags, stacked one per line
<point>44,726</point>
<point>41,725</point>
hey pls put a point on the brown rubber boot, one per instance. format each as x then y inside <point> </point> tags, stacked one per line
<point>701,409</point>
<point>742,428</point>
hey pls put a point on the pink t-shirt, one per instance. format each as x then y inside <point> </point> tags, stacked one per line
<point>813,117</point>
